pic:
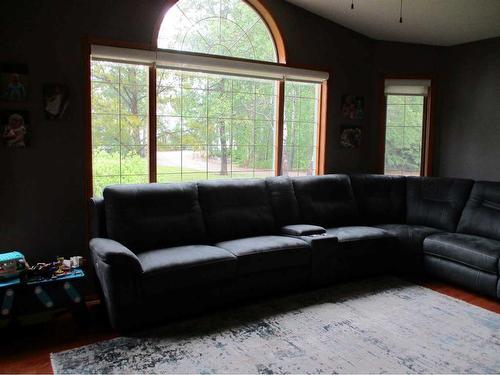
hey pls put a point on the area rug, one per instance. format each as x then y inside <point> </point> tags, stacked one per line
<point>372,326</point>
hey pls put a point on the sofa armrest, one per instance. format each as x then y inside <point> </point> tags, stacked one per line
<point>302,230</point>
<point>114,253</point>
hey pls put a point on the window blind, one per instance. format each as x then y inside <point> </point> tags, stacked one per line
<point>207,64</point>
<point>407,86</point>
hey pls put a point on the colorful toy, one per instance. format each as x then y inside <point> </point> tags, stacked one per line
<point>11,264</point>
<point>61,268</point>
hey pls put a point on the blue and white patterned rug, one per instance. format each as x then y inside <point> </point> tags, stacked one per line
<point>371,326</point>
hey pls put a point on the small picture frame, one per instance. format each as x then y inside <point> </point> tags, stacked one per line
<point>350,136</point>
<point>14,82</point>
<point>353,107</point>
<point>15,128</point>
<point>55,100</point>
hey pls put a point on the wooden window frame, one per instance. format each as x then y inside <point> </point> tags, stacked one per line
<point>427,126</point>
<point>256,5</point>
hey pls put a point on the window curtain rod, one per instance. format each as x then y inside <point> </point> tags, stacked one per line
<point>206,64</point>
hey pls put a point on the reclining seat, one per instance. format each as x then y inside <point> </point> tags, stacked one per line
<point>381,199</point>
<point>240,219</point>
<point>328,201</point>
<point>471,256</point>
<point>156,261</point>
<point>433,205</point>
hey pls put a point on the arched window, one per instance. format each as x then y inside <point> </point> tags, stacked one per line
<point>214,99</point>
<point>217,27</point>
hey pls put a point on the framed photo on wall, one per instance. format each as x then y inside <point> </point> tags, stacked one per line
<point>14,82</point>
<point>353,107</point>
<point>55,100</point>
<point>15,128</point>
<point>350,136</point>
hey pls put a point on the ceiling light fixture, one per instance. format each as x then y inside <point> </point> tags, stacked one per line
<point>400,10</point>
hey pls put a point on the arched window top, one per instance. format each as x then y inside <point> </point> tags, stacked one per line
<point>218,27</point>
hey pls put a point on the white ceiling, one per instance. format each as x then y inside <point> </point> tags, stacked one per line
<point>435,22</point>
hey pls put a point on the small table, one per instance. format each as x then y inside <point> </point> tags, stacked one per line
<point>34,296</point>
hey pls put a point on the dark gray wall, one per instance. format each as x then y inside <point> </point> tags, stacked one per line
<point>468,143</point>
<point>398,59</point>
<point>42,195</point>
<point>467,118</point>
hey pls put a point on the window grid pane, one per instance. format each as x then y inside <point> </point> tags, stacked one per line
<point>225,127</point>
<point>225,28</point>
<point>300,129</point>
<point>120,124</point>
<point>404,127</point>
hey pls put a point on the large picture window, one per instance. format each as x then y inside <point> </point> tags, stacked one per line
<point>214,126</point>
<point>168,116</point>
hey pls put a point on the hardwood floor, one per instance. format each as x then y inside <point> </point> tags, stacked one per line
<point>28,349</point>
<point>464,295</point>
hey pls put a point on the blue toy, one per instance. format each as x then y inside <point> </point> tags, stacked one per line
<point>11,264</point>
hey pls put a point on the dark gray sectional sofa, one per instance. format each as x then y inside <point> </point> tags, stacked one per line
<point>164,250</point>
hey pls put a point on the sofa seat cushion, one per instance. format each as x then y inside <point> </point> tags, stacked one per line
<point>185,266</point>
<point>410,237</point>
<point>263,253</point>
<point>350,234</point>
<point>361,243</point>
<point>473,251</point>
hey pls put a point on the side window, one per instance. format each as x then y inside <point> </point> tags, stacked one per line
<point>406,125</point>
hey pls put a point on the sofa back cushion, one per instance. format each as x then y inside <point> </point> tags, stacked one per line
<point>236,208</point>
<point>381,199</point>
<point>481,215</point>
<point>436,202</point>
<point>283,201</point>
<point>152,216</point>
<point>327,200</point>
